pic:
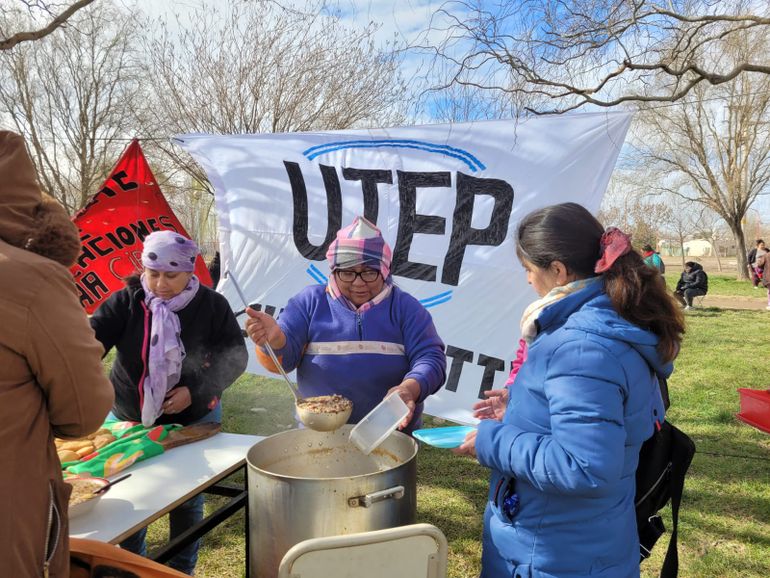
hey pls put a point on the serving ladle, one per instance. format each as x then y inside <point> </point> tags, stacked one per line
<point>315,420</point>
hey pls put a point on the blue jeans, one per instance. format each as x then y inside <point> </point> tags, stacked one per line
<point>180,519</point>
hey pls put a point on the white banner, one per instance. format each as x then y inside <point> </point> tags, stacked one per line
<point>447,198</point>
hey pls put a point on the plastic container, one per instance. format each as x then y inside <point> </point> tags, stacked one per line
<point>755,408</point>
<point>379,423</point>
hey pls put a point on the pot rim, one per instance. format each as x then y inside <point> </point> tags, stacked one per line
<point>412,456</point>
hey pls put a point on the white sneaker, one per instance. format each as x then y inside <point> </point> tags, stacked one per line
<point>768,307</point>
<point>686,307</point>
<point>756,287</point>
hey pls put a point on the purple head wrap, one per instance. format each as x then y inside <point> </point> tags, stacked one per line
<point>169,251</point>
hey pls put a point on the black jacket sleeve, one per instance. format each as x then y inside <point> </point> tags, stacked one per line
<point>229,355</point>
<point>110,319</point>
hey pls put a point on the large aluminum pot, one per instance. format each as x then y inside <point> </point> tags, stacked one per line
<point>307,484</point>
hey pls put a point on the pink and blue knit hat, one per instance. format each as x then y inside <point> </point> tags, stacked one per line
<point>360,243</point>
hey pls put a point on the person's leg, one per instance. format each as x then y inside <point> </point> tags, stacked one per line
<point>679,297</point>
<point>136,543</point>
<point>189,514</point>
<point>180,519</point>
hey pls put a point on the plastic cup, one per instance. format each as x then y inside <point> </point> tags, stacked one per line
<point>379,423</point>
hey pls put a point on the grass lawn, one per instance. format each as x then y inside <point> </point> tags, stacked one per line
<point>722,284</point>
<point>725,520</point>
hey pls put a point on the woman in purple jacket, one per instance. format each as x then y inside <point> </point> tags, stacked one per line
<point>359,336</point>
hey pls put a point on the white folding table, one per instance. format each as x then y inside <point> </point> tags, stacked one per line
<point>160,484</point>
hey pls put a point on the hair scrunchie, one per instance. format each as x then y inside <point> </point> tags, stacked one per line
<point>614,243</point>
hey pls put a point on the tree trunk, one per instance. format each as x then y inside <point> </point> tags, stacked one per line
<point>740,244</point>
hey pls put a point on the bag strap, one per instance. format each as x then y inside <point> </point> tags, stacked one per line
<point>680,462</point>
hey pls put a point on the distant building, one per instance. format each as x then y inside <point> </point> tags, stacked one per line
<point>692,248</point>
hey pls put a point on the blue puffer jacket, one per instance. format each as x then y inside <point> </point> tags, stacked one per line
<point>581,407</point>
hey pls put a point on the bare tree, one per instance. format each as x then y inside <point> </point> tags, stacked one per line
<point>256,67</point>
<point>70,95</point>
<point>569,53</point>
<point>715,152</point>
<point>629,206</point>
<point>712,228</point>
<point>682,223</point>
<point>46,16</point>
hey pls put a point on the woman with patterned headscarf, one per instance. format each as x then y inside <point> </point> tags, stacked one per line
<point>359,336</point>
<point>178,347</point>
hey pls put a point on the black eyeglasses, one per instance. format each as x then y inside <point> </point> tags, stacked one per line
<point>367,276</point>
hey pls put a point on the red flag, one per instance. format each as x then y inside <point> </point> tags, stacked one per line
<point>113,225</point>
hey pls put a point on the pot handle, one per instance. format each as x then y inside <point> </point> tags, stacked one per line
<point>396,493</point>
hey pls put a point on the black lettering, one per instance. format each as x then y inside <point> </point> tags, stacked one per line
<point>93,243</point>
<point>85,299</point>
<point>458,356</point>
<point>369,178</point>
<point>166,221</point>
<point>92,284</point>
<point>333,210</point>
<point>409,223</point>
<point>491,365</point>
<point>85,253</point>
<point>114,239</point>
<point>462,232</point>
<point>125,236</point>
<point>105,190</point>
<point>126,186</point>
<point>140,229</point>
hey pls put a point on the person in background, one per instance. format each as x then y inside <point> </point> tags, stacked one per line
<point>215,270</point>
<point>564,456</point>
<point>755,262</point>
<point>179,347</point>
<point>51,379</point>
<point>652,259</point>
<point>359,336</point>
<point>693,283</point>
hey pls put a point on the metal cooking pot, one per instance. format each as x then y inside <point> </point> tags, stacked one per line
<point>307,484</point>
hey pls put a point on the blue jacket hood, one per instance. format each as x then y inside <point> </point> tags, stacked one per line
<point>591,310</point>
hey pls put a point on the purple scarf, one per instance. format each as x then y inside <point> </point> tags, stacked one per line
<point>166,348</point>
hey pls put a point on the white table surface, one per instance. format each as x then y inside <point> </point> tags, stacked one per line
<point>158,485</point>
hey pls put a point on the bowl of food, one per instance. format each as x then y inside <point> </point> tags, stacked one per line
<point>324,412</point>
<point>84,496</point>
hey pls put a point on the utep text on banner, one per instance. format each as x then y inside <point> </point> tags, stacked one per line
<point>446,197</point>
<point>113,225</point>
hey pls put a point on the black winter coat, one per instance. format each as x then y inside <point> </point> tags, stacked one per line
<point>695,279</point>
<point>215,350</point>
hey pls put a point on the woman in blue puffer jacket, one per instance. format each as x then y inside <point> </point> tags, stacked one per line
<point>564,456</point>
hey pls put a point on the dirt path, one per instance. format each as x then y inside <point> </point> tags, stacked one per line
<point>735,302</point>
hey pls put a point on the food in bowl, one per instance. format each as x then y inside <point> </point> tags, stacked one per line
<point>325,404</point>
<point>83,489</point>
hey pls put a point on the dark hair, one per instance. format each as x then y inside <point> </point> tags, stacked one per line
<point>647,247</point>
<point>690,264</point>
<point>570,234</point>
<point>758,241</point>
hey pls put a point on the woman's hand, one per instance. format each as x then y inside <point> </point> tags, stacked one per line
<point>262,328</point>
<point>468,447</point>
<point>177,400</point>
<point>494,406</point>
<point>409,391</point>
